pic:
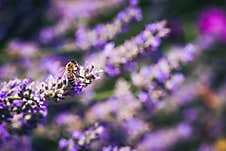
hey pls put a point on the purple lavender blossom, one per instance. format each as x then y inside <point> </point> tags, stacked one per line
<point>111,70</point>
<point>145,112</point>
<point>24,66</point>
<point>184,130</point>
<point>135,128</point>
<point>4,134</point>
<point>100,34</point>
<point>206,147</point>
<point>24,102</point>
<point>159,78</point>
<point>51,64</point>
<point>72,14</point>
<point>8,71</point>
<point>120,106</point>
<point>63,143</point>
<point>81,139</point>
<point>68,121</point>
<point>130,49</point>
<point>115,59</point>
<point>20,48</point>
<point>163,139</point>
<point>17,143</point>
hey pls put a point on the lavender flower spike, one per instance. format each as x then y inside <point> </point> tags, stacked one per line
<point>23,103</point>
<point>161,78</point>
<point>80,139</point>
<point>150,38</point>
<point>87,38</point>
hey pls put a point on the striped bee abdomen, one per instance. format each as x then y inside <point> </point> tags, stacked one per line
<point>71,79</point>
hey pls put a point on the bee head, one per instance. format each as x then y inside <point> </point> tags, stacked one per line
<point>72,65</point>
<point>73,62</point>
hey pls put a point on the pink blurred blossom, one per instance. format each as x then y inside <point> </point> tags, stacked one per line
<point>212,22</point>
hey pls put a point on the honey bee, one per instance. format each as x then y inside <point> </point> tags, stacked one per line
<point>72,71</point>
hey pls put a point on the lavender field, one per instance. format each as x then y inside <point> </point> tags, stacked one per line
<point>112,75</point>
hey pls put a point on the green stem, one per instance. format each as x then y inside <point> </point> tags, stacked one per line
<point>13,97</point>
<point>103,95</point>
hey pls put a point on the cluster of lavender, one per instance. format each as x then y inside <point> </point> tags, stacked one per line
<point>170,136</point>
<point>121,58</point>
<point>162,78</point>
<point>114,59</point>
<point>22,49</point>
<point>19,143</point>
<point>181,101</point>
<point>23,67</point>
<point>139,105</point>
<point>109,112</point>
<point>126,117</point>
<point>28,57</point>
<point>101,33</point>
<point>120,106</point>
<point>21,106</point>
<point>24,102</point>
<point>81,139</point>
<point>121,114</point>
<point>150,38</point>
<point>189,90</point>
<point>72,14</point>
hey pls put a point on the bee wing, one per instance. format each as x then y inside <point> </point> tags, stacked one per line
<point>60,73</point>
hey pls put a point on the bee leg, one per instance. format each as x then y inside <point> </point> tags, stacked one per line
<point>77,75</point>
<point>66,80</point>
